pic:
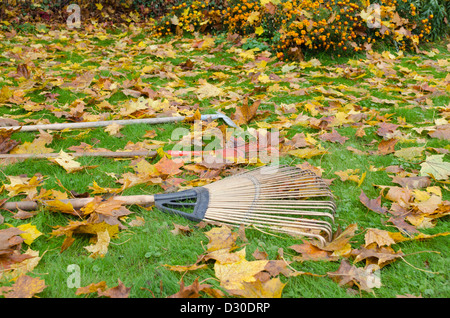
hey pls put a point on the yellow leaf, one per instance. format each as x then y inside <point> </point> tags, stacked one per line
<point>100,248</point>
<point>263,289</point>
<point>99,6</point>
<point>31,232</point>
<point>66,161</point>
<point>181,268</point>
<point>220,238</point>
<point>363,176</point>
<point>306,153</point>
<point>253,16</point>
<point>259,30</point>
<point>233,276</point>
<point>60,206</point>
<point>23,185</point>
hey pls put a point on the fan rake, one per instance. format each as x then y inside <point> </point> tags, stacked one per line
<point>281,199</point>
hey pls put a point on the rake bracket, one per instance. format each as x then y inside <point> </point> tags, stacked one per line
<point>171,202</point>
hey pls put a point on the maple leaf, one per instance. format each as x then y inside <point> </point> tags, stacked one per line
<point>184,268</point>
<point>207,90</point>
<point>191,291</point>
<point>24,287</point>
<point>387,146</point>
<point>441,132</point>
<point>23,185</point>
<point>410,153</point>
<point>80,82</point>
<point>340,245</point>
<point>30,233</point>
<point>272,288</point>
<point>334,136</point>
<point>311,252</point>
<point>225,256</point>
<point>114,130</point>
<point>91,288</point>
<point>380,256</point>
<point>306,153</point>
<point>372,204</point>
<point>221,238</point>
<point>378,237</point>
<point>9,238</point>
<point>435,167</point>
<point>245,113</point>
<point>349,174</point>
<point>168,166</point>
<point>233,275</point>
<point>350,275</point>
<point>412,182</point>
<point>20,264</point>
<point>119,291</point>
<point>37,146</point>
<point>6,143</point>
<point>67,161</point>
<point>100,248</point>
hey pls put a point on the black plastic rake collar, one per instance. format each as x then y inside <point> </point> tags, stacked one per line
<point>169,202</point>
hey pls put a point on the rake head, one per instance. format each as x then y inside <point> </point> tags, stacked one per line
<point>277,198</point>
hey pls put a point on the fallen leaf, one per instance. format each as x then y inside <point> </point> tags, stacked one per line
<point>372,204</point>
<point>221,238</point>
<point>436,167</point>
<point>245,113</point>
<point>120,291</point>
<point>350,275</point>
<point>191,291</point>
<point>378,237</point>
<point>91,288</point>
<point>24,287</point>
<point>169,167</point>
<point>100,248</point>
<point>30,233</point>
<point>334,136</point>
<point>311,252</point>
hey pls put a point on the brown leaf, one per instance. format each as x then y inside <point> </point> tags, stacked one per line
<point>404,227</point>
<point>188,65</point>
<point>245,113</point>
<point>441,132</point>
<point>181,229</point>
<point>9,238</point>
<point>311,252</point>
<point>23,71</point>
<point>120,291</point>
<point>379,237</point>
<point>168,166</point>
<point>24,287</point>
<point>412,182</point>
<point>386,128</point>
<point>372,204</point>
<point>387,146</point>
<point>6,143</point>
<point>191,291</point>
<point>350,275</point>
<point>91,288</point>
<point>334,136</point>
<point>380,256</point>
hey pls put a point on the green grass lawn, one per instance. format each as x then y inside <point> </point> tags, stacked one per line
<point>139,255</point>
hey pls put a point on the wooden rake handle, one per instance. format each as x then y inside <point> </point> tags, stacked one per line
<point>111,154</point>
<point>78,203</point>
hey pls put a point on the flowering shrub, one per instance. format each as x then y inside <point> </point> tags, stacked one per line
<point>292,27</point>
